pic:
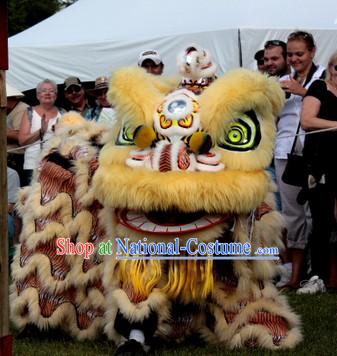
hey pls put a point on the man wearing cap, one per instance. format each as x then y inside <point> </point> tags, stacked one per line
<point>15,111</point>
<point>75,96</point>
<point>103,113</point>
<point>151,61</point>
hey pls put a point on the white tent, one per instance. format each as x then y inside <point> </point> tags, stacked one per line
<point>95,37</point>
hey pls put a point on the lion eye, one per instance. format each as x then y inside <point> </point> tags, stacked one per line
<point>186,122</point>
<point>164,122</point>
<point>244,133</point>
<point>125,137</point>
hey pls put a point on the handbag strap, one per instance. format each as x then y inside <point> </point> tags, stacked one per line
<point>295,139</point>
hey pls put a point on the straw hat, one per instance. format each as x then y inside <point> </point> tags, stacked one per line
<point>100,83</point>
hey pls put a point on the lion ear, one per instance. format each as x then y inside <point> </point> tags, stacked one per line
<point>239,91</point>
<point>136,94</point>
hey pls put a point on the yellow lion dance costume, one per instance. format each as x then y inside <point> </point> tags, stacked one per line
<point>176,167</point>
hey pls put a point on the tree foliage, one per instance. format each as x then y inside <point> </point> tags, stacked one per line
<point>66,3</point>
<point>23,14</point>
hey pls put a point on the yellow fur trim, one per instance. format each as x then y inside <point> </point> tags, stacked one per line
<point>71,119</point>
<point>227,191</point>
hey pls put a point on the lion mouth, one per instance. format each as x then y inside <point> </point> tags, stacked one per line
<point>169,222</point>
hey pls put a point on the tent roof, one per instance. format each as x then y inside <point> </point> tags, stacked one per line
<point>95,37</point>
<point>89,21</point>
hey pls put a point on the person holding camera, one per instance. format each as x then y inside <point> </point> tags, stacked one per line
<point>37,126</point>
<point>301,50</point>
<point>275,58</point>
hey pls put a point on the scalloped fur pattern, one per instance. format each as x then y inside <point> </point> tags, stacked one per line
<point>74,299</point>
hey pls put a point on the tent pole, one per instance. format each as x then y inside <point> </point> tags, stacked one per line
<point>240,47</point>
<point>6,340</point>
<point>4,273</point>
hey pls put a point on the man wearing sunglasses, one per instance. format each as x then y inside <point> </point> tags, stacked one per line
<point>75,96</point>
<point>275,58</point>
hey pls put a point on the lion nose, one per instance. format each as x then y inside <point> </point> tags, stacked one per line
<point>174,157</point>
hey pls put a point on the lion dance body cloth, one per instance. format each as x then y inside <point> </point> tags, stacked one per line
<point>179,165</point>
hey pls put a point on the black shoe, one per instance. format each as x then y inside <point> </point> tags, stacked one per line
<point>130,348</point>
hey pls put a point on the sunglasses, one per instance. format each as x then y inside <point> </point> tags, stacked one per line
<point>273,43</point>
<point>101,92</point>
<point>146,53</point>
<point>303,36</point>
<point>73,89</point>
<point>260,62</point>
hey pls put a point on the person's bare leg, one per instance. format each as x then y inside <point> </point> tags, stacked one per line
<point>285,255</point>
<point>297,259</point>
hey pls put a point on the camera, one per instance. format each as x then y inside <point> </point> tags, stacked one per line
<point>287,94</point>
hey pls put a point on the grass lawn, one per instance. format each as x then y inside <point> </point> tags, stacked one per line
<point>319,321</point>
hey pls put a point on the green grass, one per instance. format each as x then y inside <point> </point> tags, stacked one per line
<point>319,323</point>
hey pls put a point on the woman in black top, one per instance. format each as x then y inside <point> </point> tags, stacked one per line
<point>319,111</point>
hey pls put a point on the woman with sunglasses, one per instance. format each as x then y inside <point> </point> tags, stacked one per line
<point>301,50</point>
<point>319,111</point>
<point>37,126</point>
